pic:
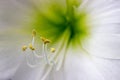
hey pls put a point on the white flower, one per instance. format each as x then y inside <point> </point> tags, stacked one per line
<point>85,34</point>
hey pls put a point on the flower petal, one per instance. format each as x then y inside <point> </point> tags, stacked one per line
<point>105,39</point>
<point>10,58</point>
<point>109,68</point>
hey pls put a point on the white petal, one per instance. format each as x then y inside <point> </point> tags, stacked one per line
<point>10,57</point>
<point>109,68</point>
<point>83,67</point>
<point>79,66</point>
<point>8,63</point>
<point>27,73</point>
<point>105,20</point>
<point>10,51</point>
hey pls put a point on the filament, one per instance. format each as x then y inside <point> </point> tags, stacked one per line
<point>45,54</point>
<point>33,58</point>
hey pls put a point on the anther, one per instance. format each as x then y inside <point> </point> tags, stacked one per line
<point>33,32</point>
<point>24,48</point>
<point>52,50</point>
<point>45,40</point>
<point>31,47</point>
<point>36,56</point>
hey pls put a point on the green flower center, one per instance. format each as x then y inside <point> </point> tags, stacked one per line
<point>55,20</point>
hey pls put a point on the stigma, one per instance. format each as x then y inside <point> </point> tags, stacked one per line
<point>44,57</point>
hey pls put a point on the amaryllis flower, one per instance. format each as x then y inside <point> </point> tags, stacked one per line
<point>71,39</point>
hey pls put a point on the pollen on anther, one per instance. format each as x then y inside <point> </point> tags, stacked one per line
<point>45,40</point>
<point>24,48</point>
<point>33,32</point>
<point>31,47</point>
<point>52,50</point>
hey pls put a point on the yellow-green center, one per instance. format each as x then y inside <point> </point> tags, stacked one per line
<point>53,21</point>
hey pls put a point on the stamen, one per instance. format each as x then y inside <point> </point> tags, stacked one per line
<point>31,47</point>
<point>45,40</point>
<point>24,48</point>
<point>34,33</point>
<point>52,50</point>
<point>35,59</point>
<point>45,54</point>
<point>49,57</point>
<point>33,40</point>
